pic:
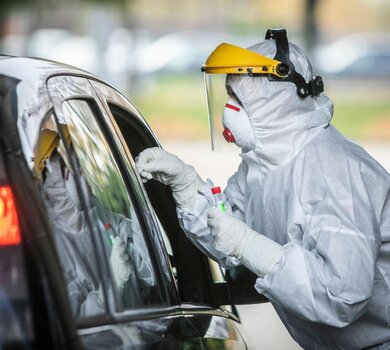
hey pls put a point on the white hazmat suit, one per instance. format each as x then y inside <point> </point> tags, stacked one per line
<point>320,200</point>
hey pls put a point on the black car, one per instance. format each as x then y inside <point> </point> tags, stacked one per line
<point>68,186</point>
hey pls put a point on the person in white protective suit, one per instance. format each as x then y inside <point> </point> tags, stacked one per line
<point>308,211</point>
<point>124,249</point>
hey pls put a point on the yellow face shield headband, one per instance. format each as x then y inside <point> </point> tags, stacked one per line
<point>231,59</point>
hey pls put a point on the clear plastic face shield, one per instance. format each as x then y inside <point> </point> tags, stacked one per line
<point>222,139</point>
<point>230,59</point>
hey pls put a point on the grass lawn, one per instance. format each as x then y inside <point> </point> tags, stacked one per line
<point>176,108</point>
<point>363,120</point>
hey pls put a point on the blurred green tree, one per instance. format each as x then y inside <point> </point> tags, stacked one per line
<point>310,26</point>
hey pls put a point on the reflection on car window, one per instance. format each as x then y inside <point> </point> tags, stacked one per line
<point>97,179</point>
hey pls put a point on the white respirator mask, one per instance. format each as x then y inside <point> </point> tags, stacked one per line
<point>237,127</point>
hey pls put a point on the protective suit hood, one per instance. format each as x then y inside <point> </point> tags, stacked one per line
<point>282,121</point>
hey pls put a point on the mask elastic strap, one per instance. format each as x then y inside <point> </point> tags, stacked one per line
<point>313,87</point>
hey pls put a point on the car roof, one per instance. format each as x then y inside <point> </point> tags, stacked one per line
<point>35,71</point>
<point>29,76</point>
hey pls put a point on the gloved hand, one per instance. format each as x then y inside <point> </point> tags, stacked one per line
<point>235,238</point>
<point>120,263</point>
<point>170,170</point>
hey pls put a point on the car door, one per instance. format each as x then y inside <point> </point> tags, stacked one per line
<point>143,311</point>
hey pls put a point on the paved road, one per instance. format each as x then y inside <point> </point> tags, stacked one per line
<point>260,323</point>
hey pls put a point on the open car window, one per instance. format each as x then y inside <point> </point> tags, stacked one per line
<point>191,268</point>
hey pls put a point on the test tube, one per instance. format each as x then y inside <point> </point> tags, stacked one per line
<point>216,191</point>
<point>111,237</point>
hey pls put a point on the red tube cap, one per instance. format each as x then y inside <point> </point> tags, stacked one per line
<point>216,190</point>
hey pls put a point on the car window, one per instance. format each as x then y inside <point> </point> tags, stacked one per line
<point>106,230</point>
